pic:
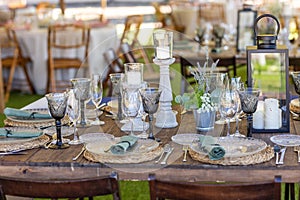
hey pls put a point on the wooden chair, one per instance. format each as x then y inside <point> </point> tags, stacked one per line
<point>115,65</point>
<point>45,5</point>
<point>56,188</point>
<point>213,12</point>
<point>9,41</point>
<point>162,189</point>
<point>2,100</point>
<point>65,38</point>
<point>130,35</point>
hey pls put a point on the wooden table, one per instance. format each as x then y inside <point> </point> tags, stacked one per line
<point>46,163</point>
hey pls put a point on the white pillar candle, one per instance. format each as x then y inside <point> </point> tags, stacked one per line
<point>271,114</point>
<point>258,116</point>
<point>163,52</point>
<point>134,78</point>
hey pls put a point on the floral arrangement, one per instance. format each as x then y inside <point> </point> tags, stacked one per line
<point>200,99</point>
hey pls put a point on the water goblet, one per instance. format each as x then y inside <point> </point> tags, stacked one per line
<point>57,104</point>
<point>73,111</point>
<point>116,79</point>
<point>130,104</point>
<point>228,107</point>
<point>82,93</point>
<point>150,99</point>
<point>96,93</point>
<point>249,100</point>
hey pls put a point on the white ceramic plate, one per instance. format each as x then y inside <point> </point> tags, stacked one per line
<point>8,140</point>
<point>236,146</point>
<point>287,140</point>
<point>92,137</point>
<point>65,131</point>
<point>101,147</point>
<point>185,138</point>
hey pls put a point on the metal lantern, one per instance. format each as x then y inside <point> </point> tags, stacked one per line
<point>267,69</point>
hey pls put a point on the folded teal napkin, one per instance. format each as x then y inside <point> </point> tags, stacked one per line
<point>126,142</point>
<point>210,146</point>
<point>19,134</point>
<point>24,114</point>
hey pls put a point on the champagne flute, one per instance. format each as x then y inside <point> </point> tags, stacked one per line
<point>73,111</point>
<point>57,104</point>
<point>96,93</point>
<point>130,104</point>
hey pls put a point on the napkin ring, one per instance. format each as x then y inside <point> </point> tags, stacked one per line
<point>8,132</point>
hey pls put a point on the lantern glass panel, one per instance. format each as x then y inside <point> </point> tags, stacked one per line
<point>268,70</point>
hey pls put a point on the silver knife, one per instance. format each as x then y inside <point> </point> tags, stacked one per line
<point>14,152</point>
<point>282,156</point>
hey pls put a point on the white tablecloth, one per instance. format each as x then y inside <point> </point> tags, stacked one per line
<point>34,44</point>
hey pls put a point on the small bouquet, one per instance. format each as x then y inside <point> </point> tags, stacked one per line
<point>200,99</point>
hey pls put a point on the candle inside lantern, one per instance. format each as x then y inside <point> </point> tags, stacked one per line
<point>258,116</point>
<point>272,114</point>
<point>163,42</point>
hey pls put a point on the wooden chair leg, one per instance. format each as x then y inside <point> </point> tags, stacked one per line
<point>31,87</point>
<point>10,79</point>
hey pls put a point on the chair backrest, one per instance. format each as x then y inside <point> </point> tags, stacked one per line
<point>72,188</point>
<point>131,29</point>
<point>55,39</point>
<point>213,12</point>
<point>188,191</point>
<point>115,65</point>
<point>128,53</point>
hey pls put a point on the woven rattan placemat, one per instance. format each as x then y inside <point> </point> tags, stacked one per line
<point>260,157</point>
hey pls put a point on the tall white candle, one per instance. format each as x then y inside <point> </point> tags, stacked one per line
<point>134,78</point>
<point>163,52</point>
<point>258,116</point>
<point>272,114</point>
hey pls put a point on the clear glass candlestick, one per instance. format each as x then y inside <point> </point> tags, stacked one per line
<point>163,42</point>
<point>116,79</point>
<point>134,73</point>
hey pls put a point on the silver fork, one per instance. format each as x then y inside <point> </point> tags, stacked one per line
<point>297,149</point>
<point>167,156</point>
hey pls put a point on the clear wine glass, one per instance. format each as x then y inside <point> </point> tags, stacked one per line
<point>237,85</point>
<point>96,93</point>
<point>130,104</point>
<point>57,104</point>
<point>249,100</point>
<point>73,111</point>
<point>150,99</point>
<point>228,107</point>
<point>83,94</point>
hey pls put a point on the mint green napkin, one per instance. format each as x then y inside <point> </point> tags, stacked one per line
<point>23,114</point>
<point>126,142</point>
<point>19,134</point>
<point>210,145</point>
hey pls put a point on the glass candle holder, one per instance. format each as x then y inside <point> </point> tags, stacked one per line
<point>134,73</point>
<point>163,42</point>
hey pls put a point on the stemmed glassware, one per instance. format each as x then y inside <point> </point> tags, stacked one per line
<point>116,80</point>
<point>82,93</point>
<point>130,104</point>
<point>96,93</point>
<point>57,104</point>
<point>73,111</point>
<point>150,99</point>
<point>237,85</point>
<point>228,106</point>
<point>249,100</point>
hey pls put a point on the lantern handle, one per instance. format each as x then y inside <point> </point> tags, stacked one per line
<point>266,15</point>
